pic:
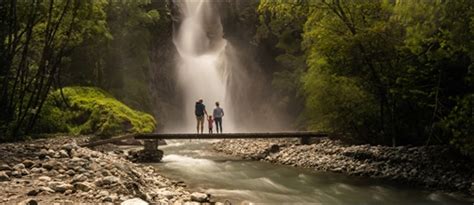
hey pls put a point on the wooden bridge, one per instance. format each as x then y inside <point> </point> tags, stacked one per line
<point>150,153</point>
<point>304,136</point>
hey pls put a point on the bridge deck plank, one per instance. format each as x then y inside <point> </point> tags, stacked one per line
<point>151,136</point>
<point>229,135</point>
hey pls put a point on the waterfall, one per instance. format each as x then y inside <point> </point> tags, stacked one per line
<point>201,67</point>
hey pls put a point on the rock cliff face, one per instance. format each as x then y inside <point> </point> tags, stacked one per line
<point>435,167</point>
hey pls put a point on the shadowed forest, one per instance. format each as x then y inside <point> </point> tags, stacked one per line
<point>379,72</point>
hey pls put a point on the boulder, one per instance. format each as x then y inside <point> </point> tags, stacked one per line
<point>167,194</point>
<point>4,176</point>
<point>33,192</point>
<point>79,178</point>
<point>19,166</point>
<point>28,163</point>
<point>199,197</point>
<point>108,180</point>
<point>49,165</point>
<point>134,201</point>
<point>63,154</point>
<point>70,146</point>
<point>44,178</point>
<point>70,172</point>
<point>5,167</point>
<point>28,202</point>
<point>59,186</point>
<point>37,170</point>
<point>84,186</point>
<point>46,189</point>
<point>111,198</point>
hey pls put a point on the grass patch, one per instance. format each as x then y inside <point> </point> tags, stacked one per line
<point>90,110</point>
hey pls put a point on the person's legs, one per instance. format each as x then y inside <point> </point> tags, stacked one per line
<point>197,124</point>
<point>219,125</point>
<point>200,123</point>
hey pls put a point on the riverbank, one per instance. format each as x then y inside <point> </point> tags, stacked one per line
<point>57,170</point>
<point>434,167</point>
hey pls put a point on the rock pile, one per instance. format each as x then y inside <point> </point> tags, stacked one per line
<point>54,171</point>
<point>435,167</point>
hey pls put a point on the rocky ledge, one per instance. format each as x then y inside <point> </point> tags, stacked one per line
<point>59,171</point>
<point>435,167</point>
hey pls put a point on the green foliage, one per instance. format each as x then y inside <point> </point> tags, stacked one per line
<point>461,123</point>
<point>36,39</point>
<point>336,103</point>
<point>91,111</point>
<point>119,64</point>
<point>380,71</point>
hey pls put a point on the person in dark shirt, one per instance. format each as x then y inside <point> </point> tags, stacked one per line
<point>200,111</point>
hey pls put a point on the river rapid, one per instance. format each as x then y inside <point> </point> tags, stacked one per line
<point>248,182</point>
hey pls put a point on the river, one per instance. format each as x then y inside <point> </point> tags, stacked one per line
<point>247,182</point>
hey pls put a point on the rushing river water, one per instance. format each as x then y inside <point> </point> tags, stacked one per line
<point>247,182</point>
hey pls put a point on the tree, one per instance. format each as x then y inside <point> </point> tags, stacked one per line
<point>37,37</point>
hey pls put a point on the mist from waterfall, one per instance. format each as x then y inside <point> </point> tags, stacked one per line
<point>201,67</point>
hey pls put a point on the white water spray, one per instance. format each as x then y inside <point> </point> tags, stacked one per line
<point>202,72</point>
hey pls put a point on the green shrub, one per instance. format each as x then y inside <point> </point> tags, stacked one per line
<point>461,123</point>
<point>91,110</point>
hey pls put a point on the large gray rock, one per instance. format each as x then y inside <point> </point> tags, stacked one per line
<point>46,189</point>
<point>49,165</point>
<point>60,186</point>
<point>19,166</point>
<point>84,186</point>
<point>4,177</point>
<point>70,146</point>
<point>108,180</point>
<point>4,167</point>
<point>79,178</point>
<point>134,201</point>
<point>28,202</point>
<point>63,154</point>
<point>199,197</point>
<point>44,178</point>
<point>28,163</point>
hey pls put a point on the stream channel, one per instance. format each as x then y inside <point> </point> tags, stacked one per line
<point>248,182</point>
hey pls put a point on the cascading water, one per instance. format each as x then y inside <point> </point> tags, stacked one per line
<point>201,67</point>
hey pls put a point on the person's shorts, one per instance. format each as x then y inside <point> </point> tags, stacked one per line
<point>200,119</point>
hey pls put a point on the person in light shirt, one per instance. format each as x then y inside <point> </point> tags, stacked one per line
<point>218,114</point>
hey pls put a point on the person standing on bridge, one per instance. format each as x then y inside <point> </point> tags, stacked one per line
<point>218,114</point>
<point>200,111</point>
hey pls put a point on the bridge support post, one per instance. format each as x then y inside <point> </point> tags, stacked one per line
<point>304,140</point>
<point>150,152</point>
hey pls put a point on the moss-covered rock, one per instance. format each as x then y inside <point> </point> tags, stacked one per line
<point>90,110</point>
